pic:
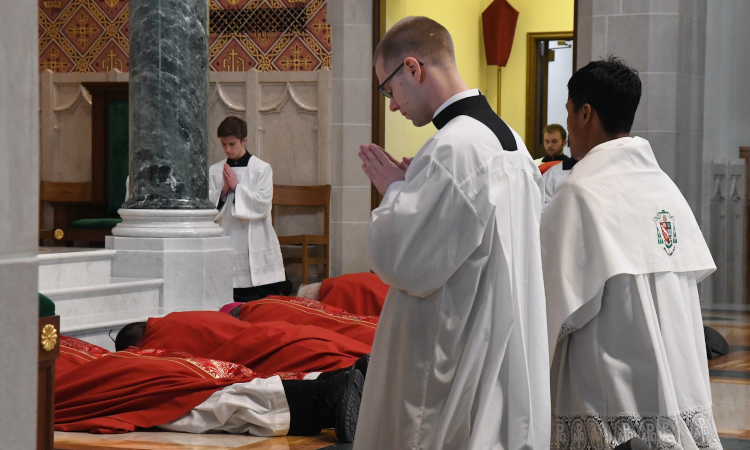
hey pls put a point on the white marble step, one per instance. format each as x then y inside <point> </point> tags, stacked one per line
<point>59,264</point>
<point>98,303</point>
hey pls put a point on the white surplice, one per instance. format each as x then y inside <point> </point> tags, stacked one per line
<point>459,359</point>
<point>258,407</point>
<point>246,219</point>
<point>552,179</point>
<point>622,257</point>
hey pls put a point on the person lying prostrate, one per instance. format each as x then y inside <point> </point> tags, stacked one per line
<point>358,293</point>
<point>362,294</point>
<point>275,334</point>
<point>103,392</point>
<point>622,255</point>
<point>298,311</point>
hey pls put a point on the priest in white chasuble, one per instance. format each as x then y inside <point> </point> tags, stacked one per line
<point>459,359</point>
<point>623,255</point>
<point>241,187</point>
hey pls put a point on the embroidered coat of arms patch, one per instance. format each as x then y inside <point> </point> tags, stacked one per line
<point>666,235</point>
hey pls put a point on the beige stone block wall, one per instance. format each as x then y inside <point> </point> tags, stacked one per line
<point>351,21</point>
<point>665,41</point>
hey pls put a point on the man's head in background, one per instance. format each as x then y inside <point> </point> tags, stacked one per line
<point>555,139</point>
<point>602,99</point>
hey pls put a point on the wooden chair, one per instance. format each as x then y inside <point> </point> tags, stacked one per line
<point>314,196</point>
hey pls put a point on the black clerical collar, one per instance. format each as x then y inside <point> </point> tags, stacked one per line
<point>242,162</point>
<point>568,164</point>
<point>478,108</point>
<point>560,157</point>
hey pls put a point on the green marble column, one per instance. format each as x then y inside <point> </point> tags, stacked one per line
<point>168,104</point>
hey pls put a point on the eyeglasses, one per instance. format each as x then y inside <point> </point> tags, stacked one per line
<point>383,90</point>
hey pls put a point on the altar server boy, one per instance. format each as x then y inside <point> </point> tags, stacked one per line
<point>241,187</point>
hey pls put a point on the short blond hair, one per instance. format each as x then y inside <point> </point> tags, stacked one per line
<point>416,36</point>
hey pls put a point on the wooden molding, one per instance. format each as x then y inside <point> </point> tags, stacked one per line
<point>575,36</point>
<point>46,386</point>
<point>745,154</point>
<point>107,86</point>
<point>532,134</point>
<point>378,105</point>
<point>51,191</point>
<point>102,93</point>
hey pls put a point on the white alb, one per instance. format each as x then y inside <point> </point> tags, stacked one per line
<point>460,358</point>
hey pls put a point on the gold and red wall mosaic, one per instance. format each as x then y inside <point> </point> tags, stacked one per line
<point>269,35</point>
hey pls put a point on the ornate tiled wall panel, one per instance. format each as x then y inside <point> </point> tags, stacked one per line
<point>268,35</point>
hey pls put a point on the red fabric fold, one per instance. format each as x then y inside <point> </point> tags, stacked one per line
<point>117,392</point>
<point>276,334</point>
<point>357,293</point>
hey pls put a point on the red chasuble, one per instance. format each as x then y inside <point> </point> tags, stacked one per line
<point>103,392</point>
<point>276,334</point>
<point>357,293</point>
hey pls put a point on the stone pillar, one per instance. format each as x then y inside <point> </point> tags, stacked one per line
<point>19,199</point>
<point>168,230</point>
<point>666,43</point>
<point>168,104</point>
<point>351,126</point>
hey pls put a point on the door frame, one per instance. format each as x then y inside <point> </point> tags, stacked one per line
<point>378,104</point>
<point>533,134</point>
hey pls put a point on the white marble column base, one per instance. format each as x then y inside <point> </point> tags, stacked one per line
<point>168,223</point>
<point>197,272</point>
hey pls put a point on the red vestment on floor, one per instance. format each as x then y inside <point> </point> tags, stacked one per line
<point>276,334</point>
<point>356,293</point>
<point>105,392</point>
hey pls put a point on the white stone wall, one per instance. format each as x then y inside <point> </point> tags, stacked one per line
<point>19,193</point>
<point>351,126</point>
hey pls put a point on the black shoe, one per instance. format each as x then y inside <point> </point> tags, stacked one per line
<point>362,364</point>
<point>340,405</point>
<point>347,407</point>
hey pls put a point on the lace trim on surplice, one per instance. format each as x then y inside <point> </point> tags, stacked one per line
<point>661,432</point>
<point>567,328</point>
